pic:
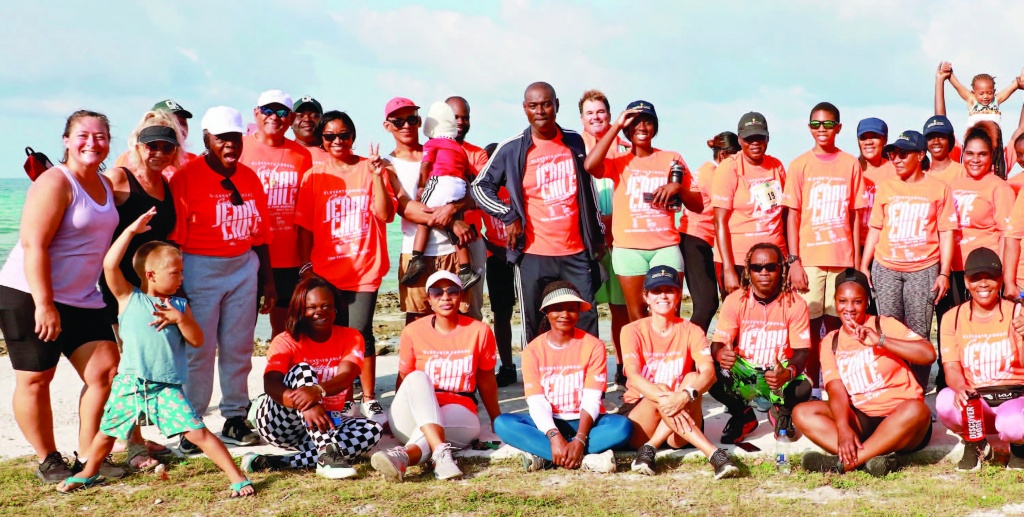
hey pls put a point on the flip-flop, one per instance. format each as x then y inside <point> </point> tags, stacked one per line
<point>139,453</point>
<point>236,489</point>
<point>82,483</point>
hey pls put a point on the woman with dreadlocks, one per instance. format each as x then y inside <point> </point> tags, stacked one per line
<point>760,347</point>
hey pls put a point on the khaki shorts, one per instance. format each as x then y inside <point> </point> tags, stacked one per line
<point>414,298</point>
<point>821,290</point>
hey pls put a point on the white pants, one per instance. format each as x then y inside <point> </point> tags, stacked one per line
<point>441,190</point>
<point>415,405</point>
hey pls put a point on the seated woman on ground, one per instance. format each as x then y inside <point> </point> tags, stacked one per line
<point>565,372</point>
<point>443,359</point>
<point>875,406</point>
<point>310,370</point>
<point>668,364</point>
<point>982,356</point>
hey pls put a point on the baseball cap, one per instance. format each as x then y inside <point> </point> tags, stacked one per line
<point>909,140</point>
<point>306,99</point>
<point>752,124</point>
<point>398,103</point>
<point>659,276</point>
<point>274,97</point>
<point>173,107</point>
<point>938,124</point>
<point>222,119</point>
<point>437,276</point>
<point>872,125</point>
<point>645,108</point>
<point>565,294</point>
<point>983,260</point>
<point>158,134</point>
<point>852,275</point>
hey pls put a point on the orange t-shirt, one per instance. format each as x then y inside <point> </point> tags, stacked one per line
<point>450,360</point>
<point>1015,230</point>
<point>987,348</point>
<point>954,170</point>
<point>872,177</point>
<point>983,208</point>
<point>876,379</point>
<point>345,344</point>
<point>561,374</point>
<point>477,162</point>
<point>168,172</point>
<point>280,169</point>
<point>754,194</point>
<point>759,332</point>
<point>825,189</point>
<point>702,225</point>
<point>318,154</point>
<point>549,190</point>
<point>350,248</point>
<point>1016,182</point>
<point>663,359</point>
<point>910,217</point>
<point>635,223</point>
<point>620,146</point>
<point>206,222</point>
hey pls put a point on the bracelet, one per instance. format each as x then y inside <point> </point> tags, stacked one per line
<point>551,433</point>
<point>582,438</point>
<point>792,372</point>
<point>881,341</point>
<point>323,392</point>
<point>305,267</point>
<point>945,275</point>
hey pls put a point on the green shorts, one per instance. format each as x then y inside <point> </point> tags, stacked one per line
<point>748,382</point>
<point>164,404</point>
<point>610,291</point>
<point>630,262</point>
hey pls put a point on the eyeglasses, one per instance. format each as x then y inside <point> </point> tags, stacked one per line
<point>771,267</point>
<point>437,292</point>
<point>236,196</point>
<point>268,111</point>
<point>829,124</point>
<point>330,137</point>
<point>412,120</point>
<point>163,147</point>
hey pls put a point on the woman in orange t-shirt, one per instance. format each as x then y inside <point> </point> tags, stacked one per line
<point>875,407</point>
<point>872,134</point>
<point>341,213</point>
<point>644,232</point>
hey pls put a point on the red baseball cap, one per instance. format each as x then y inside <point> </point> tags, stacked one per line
<point>398,103</point>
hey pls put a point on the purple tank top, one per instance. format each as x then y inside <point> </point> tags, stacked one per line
<point>76,250</point>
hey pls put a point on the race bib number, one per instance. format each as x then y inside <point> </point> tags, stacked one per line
<point>767,195</point>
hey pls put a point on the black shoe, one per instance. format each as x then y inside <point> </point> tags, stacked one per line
<point>620,378</point>
<point>332,465</point>
<point>974,454</point>
<point>188,448</point>
<point>236,432</point>
<point>724,467</point>
<point>107,469</point>
<point>782,418</point>
<point>53,469</point>
<point>417,266</point>
<point>644,461</point>
<point>817,462</point>
<point>739,426</point>
<point>506,376</point>
<point>469,279</point>
<point>881,465</point>
<point>1016,457</point>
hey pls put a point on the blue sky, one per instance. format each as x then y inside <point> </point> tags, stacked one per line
<point>702,65</point>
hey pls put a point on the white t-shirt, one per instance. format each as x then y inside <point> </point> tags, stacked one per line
<point>438,243</point>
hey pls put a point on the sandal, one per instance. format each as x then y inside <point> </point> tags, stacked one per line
<point>154,448</point>
<point>138,456</point>
<point>82,483</point>
<point>236,489</point>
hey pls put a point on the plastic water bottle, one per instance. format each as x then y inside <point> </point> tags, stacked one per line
<point>782,453</point>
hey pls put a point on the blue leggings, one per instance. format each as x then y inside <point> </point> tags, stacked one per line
<point>519,431</point>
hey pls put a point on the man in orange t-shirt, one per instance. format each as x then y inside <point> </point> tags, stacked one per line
<point>307,112</point>
<point>280,164</point>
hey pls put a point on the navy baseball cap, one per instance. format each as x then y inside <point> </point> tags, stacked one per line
<point>938,124</point>
<point>646,108</point>
<point>872,125</point>
<point>909,140</point>
<point>658,276</point>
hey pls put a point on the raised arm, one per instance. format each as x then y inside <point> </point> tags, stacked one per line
<point>941,75</point>
<point>118,284</point>
<point>383,207</point>
<point>595,158</point>
<point>964,92</point>
<point>1008,91</point>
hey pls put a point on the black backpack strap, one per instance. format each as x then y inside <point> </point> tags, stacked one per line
<point>835,342</point>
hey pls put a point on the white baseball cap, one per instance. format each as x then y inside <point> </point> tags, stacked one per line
<point>222,119</point>
<point>443,275</point>
<point>274,97</point>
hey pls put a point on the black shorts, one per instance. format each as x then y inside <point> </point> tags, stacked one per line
<point>30,354</point>
<point>285,280</point>
<point>501,284</point>
<point>869,424</point>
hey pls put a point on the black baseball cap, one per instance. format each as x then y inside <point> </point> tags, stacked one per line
<point>983,260</point>
<point>752,124</point>
<point>852,275</point>
<point>659,276</point>
<point>307,100</point>
<point>158,134</point>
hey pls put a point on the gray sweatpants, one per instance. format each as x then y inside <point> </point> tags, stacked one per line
<point>908,297</point>
<point>222,294</point>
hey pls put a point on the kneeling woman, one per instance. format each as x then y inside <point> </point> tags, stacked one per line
<point>982,356</point>
<point>668,364</point>
<point>565,371</point>
<point>875,406</point>
<point>443,359</point>
<point>310,369</point>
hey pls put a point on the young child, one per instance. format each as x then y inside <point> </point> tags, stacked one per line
<point>155,326</point>
<point>982,100</point>
<point>443,177</point>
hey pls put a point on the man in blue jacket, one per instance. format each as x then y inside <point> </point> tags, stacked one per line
<point>553,226</point>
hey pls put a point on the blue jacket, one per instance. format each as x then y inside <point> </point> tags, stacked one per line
<point>505,168</point>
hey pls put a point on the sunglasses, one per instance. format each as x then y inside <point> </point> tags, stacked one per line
<point>268,111</point>
<point>236,196</point>
<point>437,292</point>
<point>829,124</point>
<point>399,123</point>
<point>163,147</point>
<point>900,153</point>
<point>771,267</point>
<point>330,137</point>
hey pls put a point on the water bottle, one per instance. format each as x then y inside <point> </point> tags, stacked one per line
<point>974,419</point>
<point>782,453</point>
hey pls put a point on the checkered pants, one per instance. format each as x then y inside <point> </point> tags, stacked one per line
<point>285,427</point>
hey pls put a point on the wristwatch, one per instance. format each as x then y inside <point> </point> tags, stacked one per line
<point>692,393</point>
<point>792,258</point>
<point>551,434</point>
<point>323,392</point>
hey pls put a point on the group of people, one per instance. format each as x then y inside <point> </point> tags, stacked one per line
<point>828,273</point>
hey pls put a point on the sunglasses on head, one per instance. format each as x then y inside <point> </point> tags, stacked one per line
<point>236,196</point>
<point>437,292</point>
<point>163,147</point>
<point>330,137</point>
<point>829,124</point>
<point>268,111</point>
<point>770,267</point>
<point>412,120</point>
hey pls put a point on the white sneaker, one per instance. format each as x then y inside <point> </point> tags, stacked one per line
<point>332,465</point>
<point>372,410</point>
<point>444,464</point>
<point>603,463</point>
<point>391,463</point>
<point>349,409</point>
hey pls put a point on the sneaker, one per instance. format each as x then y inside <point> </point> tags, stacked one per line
<point>372,410</point>
<point>974,454</point>
<point>332,465</point>
<point>724,467</point>
<point>739,426</point>
<point>391,463</point>
<point>187,448</point>
<point>445,466</point>
<point>1016,457</point>
<point>236,432</point>
<point>469,279</point>
<point>253,462</point>
<point>818,462</point>
<point>881,465</point>
<point>782,418</point>
<point>506,376</point>
<point>644,460</point>
<point>53,469</point>
<point>533,463</point>
<point>349,409</point>
<point>417,266</point>
<point>107,469</point>
<point>620,378</point>
<point>603,463</point>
